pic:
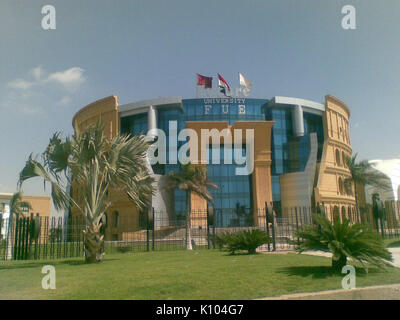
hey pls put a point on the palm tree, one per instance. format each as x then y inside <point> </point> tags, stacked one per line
<point>191,179</point>
<point>18,206</point>
<point>343,240</point>
<point>93,165</point>
<point>362,173</point>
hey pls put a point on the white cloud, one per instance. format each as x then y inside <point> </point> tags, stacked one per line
<point>31,94</point>
<point>20,84</point>
<point>37,72</point>
<point>65,100</point>
<point>71,77</point>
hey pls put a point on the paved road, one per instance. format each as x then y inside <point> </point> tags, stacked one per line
<point>396,256</point>
<point>389,292</point>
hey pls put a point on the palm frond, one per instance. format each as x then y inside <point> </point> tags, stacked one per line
<point>355,241</point>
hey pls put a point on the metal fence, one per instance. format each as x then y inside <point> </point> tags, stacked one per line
<point>41,238</point>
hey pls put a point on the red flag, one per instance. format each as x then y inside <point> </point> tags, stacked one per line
<point>204,81</point>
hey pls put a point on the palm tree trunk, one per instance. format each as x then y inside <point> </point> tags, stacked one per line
<point>93,244</point>
<point>339,263</point>
<point>188,223</point>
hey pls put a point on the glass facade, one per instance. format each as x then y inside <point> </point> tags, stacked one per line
<point>289,153</point>
<point>135,125</point>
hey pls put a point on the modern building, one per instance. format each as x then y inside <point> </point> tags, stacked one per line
<point>299,149</point>
<point>390,168</point>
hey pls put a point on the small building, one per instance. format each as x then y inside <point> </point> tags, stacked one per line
<point>40,205</point>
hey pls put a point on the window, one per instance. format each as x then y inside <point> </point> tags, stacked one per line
<point>341,186</point>
<point>115,219</point>
<point>348,186</point>
<point>337,156</point>
<point>344,159</point>
<point>335,211</point>
<point>343,213</point>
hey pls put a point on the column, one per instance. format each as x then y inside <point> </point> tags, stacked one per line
<point>298,121</point>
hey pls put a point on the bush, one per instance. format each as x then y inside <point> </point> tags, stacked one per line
<point>124,249</point>
<point>248,240</point>
<point>343,240</point>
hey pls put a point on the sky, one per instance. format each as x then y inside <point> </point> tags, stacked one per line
<point>146,49</point>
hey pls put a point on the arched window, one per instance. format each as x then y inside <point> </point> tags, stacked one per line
<point>104,219</point>
<point>115,219</point>
<point>349,213</point>
<point>344,159</point>
<point>336,211</point>
<point>348,186</point>
<point>341,186</point>
<point>337,156</point>
<point>343,213</point>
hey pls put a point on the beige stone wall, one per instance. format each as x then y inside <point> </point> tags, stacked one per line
<point>330,188</point>
<point>106,110</point>
<point>39,205</point>
<point>261,176</point>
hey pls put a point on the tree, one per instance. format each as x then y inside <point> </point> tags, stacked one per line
<point>18,206</point>
<point>362,173</point>
<point>93,165</point>
<point>191,179</point>
<point>343,240</point>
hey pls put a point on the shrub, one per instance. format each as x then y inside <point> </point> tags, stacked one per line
<point>248,240</point>
<point>344,241</point>
<point>124,249</point>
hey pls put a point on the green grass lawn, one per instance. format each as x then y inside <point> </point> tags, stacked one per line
<point>202,274</point>
<point>392,243</point>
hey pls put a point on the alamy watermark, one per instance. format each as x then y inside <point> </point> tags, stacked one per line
<point>349,20</point>
<point>349,281</point>
<point>49,280</point>
<point>49,20</point>
<point>197,151</point>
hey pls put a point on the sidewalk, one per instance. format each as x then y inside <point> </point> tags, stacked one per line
<point>388,292</point>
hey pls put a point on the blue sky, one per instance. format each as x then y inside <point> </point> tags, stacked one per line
<point>145,49</point>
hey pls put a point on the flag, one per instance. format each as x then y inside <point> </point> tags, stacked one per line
<point>223,85</point>
<point>204,81</point>
<point>243,81</point>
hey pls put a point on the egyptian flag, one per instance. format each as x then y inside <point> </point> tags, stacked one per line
<point>223,85</point>
<point>204,81</point>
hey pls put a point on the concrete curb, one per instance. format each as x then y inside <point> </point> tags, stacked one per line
<point>382,292</point>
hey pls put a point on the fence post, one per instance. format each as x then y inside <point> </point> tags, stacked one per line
<point>147,231</point>
<point>208,230</point>
<point>152,234</point>
<point>267,225</point>
<point>15,236</point>
<point>26,244</point>
<point>273,228</point>
<point>214,220</point>
<point>297,222</point>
